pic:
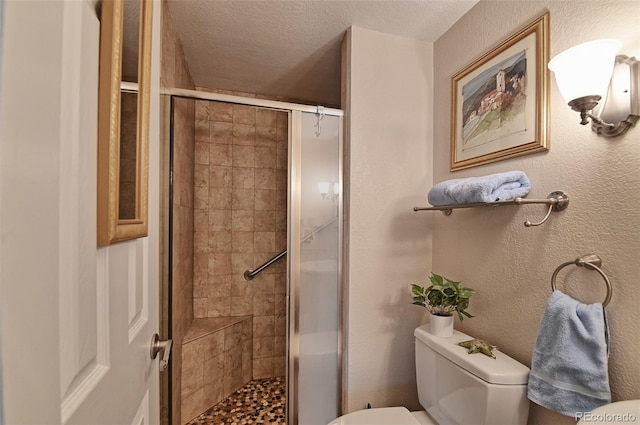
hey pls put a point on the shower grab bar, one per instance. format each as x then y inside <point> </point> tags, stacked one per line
<point>250,274</point>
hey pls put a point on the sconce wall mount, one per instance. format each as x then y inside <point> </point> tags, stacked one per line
<point>623,98</point>
<point>583,105</point>
<point>591,76</point>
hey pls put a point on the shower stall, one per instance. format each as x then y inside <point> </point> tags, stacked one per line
<point>252,288</point>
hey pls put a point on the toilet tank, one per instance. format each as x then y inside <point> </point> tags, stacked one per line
<point>458,388</point>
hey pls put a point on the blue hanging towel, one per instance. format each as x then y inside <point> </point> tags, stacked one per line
<point>569,370</point>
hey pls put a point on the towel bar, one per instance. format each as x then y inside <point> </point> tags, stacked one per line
<point>590,261</point>
<point>557,201</point>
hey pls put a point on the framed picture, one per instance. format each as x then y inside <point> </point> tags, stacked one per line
<point>500,103</point>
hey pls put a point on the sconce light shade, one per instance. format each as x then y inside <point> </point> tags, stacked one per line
<point>585,70</point>
<point>584,74</point>
<point>323,188</point>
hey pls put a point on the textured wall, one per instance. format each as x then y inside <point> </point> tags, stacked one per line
<point>490,250</point>
<point>390,115</point>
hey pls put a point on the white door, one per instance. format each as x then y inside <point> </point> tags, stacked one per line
<point>76,320</point>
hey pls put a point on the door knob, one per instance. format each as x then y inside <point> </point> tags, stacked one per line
<point>157,346</point>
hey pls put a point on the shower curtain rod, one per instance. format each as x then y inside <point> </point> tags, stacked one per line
<point>202,95</point>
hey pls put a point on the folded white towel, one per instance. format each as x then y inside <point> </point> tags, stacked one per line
<point>491,188</point>
<point>569,370</point>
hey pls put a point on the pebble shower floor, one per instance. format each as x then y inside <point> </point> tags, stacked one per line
<point>261,401</point>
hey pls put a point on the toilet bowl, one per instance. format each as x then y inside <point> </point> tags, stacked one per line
<point>385,416</point>
<point>380,416</point>
<point>620,412</point>
<point>456,388</point>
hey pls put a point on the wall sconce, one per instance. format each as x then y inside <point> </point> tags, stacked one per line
<point>591,72</point>
<point>323,188</point>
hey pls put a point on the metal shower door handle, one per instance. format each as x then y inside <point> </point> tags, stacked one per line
<point>157,346</point>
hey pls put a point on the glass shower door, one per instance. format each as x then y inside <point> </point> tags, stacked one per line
<point>314,264</point>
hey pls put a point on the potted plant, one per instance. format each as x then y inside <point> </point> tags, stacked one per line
<point>442,298</point>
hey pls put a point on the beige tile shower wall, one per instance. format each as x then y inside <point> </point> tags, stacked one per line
<point>182,265</point>
<point>175,73</point>
<point>216,361</point>
<point>240,183</point>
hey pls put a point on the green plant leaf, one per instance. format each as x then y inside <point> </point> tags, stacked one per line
<point>436,279</point>
<point>443,296</point>
<point>466,292</point>
<point>452,282</point>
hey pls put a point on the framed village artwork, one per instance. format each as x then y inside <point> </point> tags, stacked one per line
<point>500,103</point>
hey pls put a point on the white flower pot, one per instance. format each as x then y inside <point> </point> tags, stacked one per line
<point>441,326</point>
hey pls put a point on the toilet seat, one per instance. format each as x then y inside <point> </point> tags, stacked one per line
<point>614,413</point>
<point>384,416</point>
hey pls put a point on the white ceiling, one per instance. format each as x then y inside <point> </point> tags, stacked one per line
<point>291,48</point>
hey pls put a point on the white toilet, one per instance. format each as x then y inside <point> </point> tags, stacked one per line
<point>456,388</point>
<point>619,412</point>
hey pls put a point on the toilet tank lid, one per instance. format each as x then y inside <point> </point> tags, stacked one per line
<point>501,370</point>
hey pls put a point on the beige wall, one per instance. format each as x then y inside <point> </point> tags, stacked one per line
<point>490,250</point>
<point>390,113</point>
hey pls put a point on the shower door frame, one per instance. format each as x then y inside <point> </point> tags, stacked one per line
<point>295,234</point>
<point>294,111</point>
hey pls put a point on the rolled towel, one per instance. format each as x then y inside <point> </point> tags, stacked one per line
<point>494,187</point>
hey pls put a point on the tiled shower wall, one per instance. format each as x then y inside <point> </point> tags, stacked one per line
<point>216,361</point>
<point>240,184</point>
<point>175,73</point>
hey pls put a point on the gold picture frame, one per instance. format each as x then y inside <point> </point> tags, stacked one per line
<point>500,103</point>
<point>123,120</point>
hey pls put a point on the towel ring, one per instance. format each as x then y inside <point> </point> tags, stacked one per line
<point>590,261</point>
